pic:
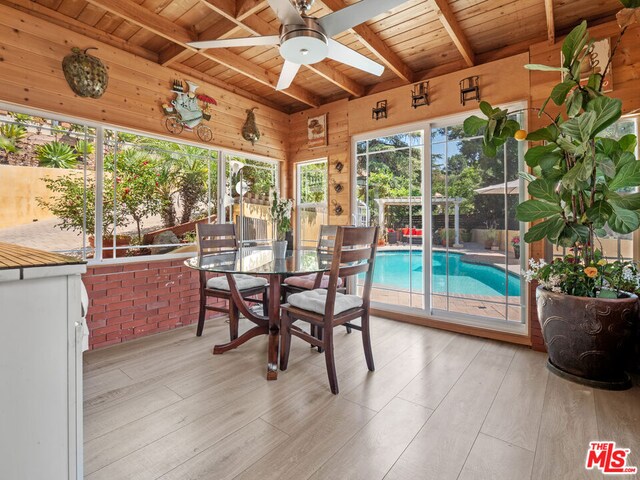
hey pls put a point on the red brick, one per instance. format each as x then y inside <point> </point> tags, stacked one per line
<point>144,273</point>
<point>134,323</point>
<point>158,304</point>
<point>99,294</point>
<point>170,308</point>
<point>134,281</point>
<point>133,267</point>
<point>105,300</point>
<point>107,329</point>
<point>160,264</point>
<point>132,295</point>
<point>99,316</point>
<point>119,334</point>
<point>162,292</point>
<point>120,319</point>
<point>93,279</point>
<point>144,313</point>
<point>97,324</point>
<point>157,318</point>
<point>145,288</point>
<point>100,270</point>
<point>97,339</point>
<point>119,305</point>
<point>106,286</point>
<point>134,309</point>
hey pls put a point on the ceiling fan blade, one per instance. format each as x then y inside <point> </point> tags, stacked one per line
<point>289,70</point>
<point>355,14</point>
<point>339,52</point>
<point>286,12</point>
<point>237,42</point>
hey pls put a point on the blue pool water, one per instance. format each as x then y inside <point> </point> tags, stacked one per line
<point>393,267</point>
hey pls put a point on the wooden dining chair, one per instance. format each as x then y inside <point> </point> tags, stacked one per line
<point>221,238</point>
<point>301,283</point>
<point>354,253</point>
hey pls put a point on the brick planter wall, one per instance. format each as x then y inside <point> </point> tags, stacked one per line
<point>131,300</point>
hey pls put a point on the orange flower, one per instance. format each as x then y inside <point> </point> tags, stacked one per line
<point>591,272</point>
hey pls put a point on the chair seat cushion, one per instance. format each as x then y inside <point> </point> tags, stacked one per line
<point>244,282</point>
<point>315,300</point>
<point>307,281</point>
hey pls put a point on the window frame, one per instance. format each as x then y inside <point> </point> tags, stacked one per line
<point>100,129</point>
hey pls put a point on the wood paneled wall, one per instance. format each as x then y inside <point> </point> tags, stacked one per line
<point>31,53</point>
<point>502,81</point>
<point>626,73</point>
<point>337,150</point>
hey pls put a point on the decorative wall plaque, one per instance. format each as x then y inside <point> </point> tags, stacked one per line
<point>317,131</point>
<point>86,75</point>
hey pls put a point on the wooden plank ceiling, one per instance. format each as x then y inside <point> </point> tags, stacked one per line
<point>418,39</point>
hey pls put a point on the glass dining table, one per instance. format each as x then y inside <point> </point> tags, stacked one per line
<point>261,261</point>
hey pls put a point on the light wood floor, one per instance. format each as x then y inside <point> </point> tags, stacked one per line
<point>439,406</point>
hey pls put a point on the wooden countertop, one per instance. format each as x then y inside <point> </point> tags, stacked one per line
<point>17,256</point>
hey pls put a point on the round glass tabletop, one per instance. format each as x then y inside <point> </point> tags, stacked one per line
<point>261,260</point>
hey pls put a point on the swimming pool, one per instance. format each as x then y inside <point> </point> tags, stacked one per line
<point>393,267</point>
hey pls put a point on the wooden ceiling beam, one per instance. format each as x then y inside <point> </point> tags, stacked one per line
<point>451,25</point>
<point>551,24</point>
<point>163,27</point>
<point>375,45</point>
<point>40,11</point>
<point>246,8</point>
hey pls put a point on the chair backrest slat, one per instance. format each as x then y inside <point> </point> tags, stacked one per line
<point>355,255</point>
<point>215,238</point>
<point>327,237</point>
<point>353,244</point>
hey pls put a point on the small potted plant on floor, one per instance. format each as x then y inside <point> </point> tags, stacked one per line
<point>281,216</point>
<point>580,184</point>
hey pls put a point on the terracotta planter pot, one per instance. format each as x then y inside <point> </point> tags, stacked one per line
<point>587,339</point>
<point>107,245</point>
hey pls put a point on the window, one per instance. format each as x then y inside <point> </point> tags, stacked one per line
<point>311,211</point>
<point>47,183</point>
<point>97,192</point>
<point>249,184</point>
<point>613,245</point>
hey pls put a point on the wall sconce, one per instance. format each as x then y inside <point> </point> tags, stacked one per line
<point>339,166</point>
<point>469,89</point>
<point>420,96</point>
<point>337,208</point>
<point>337,186</point>
<point>380,110</point>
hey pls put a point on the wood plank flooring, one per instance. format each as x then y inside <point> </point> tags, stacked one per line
<point>439,406</point>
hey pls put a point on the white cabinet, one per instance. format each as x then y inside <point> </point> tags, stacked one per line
<point>41,330</point>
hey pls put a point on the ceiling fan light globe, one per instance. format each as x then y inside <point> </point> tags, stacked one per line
<point>304,47</point>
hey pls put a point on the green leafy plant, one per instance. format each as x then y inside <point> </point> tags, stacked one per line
<point>10,137</point>
<point>57,155</point>
<point>281,215</point>
<point>74,205</point>
<point>578,181</point>
<point>84,147</point>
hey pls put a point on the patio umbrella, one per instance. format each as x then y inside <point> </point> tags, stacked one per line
<point>512,188</point>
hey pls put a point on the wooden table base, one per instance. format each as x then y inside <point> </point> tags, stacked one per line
<point>264,325</point>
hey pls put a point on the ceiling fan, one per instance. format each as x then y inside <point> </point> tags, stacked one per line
<point>305,40</point>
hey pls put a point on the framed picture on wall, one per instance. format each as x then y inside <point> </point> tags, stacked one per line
<point>317,131</point>
<point>595,62</point>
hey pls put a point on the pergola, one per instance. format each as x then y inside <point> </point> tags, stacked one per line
<point>456,201</point>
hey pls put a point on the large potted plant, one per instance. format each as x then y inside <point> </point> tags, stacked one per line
<point>580,184</point>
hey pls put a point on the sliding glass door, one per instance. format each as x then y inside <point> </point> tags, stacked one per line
<point>450,243</point>
<point>389,185</point>
<point>475,266</point>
